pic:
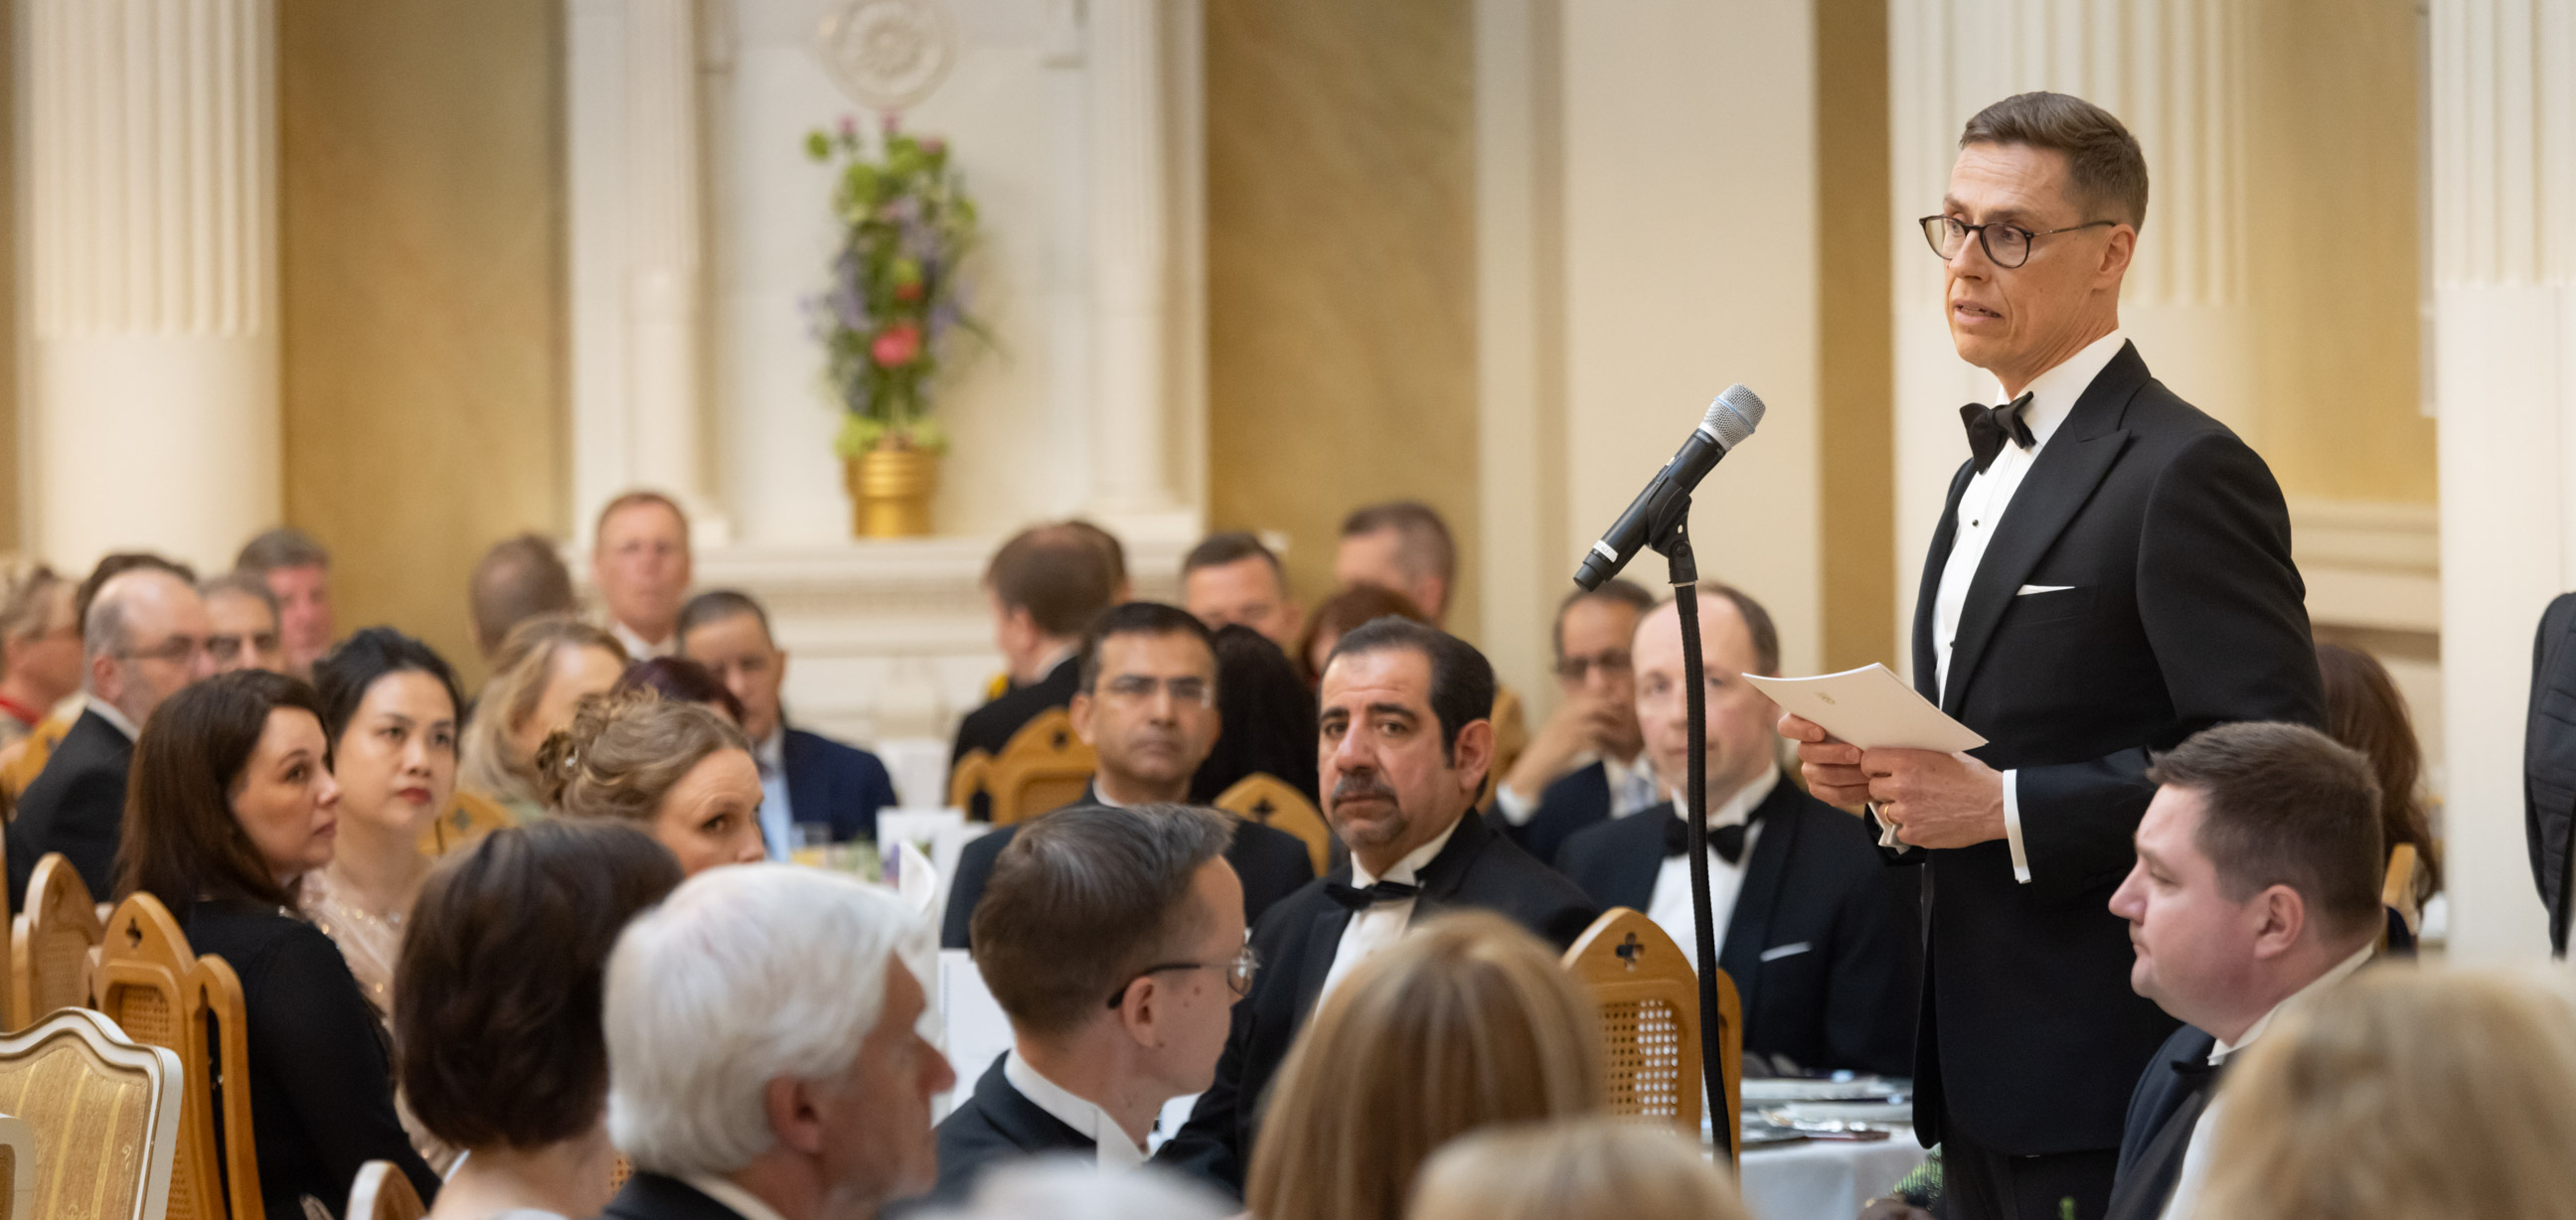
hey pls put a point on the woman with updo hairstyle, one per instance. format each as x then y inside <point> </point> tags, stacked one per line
<point>497,1017</point>
<point>545,667</point>
<point>230,803</point>
<point>680,772</point>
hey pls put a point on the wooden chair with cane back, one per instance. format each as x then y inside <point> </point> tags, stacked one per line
<point>49,954</point>
<point>381,1192</point>
<point>1045,766</point>
<point>163,994</point>
<point>1277,804</point>
<point>968,777</point>
<point>1649,1003</point>
<point>469,816</point>
<point>99,1116</point>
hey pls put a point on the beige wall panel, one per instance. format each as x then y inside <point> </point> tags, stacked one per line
<point>1341,282</point>
<point>423,293</point>
<point>1856,374</point>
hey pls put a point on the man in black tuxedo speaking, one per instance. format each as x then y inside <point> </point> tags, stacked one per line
<point>2111,574</point>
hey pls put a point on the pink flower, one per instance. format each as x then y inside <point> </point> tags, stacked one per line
<point>896,345</point>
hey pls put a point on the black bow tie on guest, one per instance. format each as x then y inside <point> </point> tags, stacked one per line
<point>1359,899</point>
<point>1990,427</point>
<point>1727,841</point>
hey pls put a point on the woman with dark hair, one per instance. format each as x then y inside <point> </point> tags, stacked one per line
<point>681,680</point>
<point>497,1018</point>
<point>230,805</point>
<point>2365,711</point>
<point>1343,612</point>
<point>1268,713</point>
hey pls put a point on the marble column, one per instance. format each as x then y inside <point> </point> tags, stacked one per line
<point>1131,260</point>
<point>150,170</point>
<point>664,241</point>
<point>2503,170</point>
<point>2174,73</point>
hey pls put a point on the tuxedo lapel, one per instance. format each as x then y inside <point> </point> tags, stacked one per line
<point>1748,928</point>
<point>1442,878</point>
<point>1323,941</point>
<point>1927,652</point>
<point>1642,862</point>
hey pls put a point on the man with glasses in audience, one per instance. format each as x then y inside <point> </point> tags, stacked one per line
<point>1113,940</point>
<point>144,638</point>
<point>1588,763</point>
<point>1146,704</point>
<point>241,614</point>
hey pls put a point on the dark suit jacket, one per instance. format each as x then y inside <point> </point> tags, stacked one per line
<point>1296,942</point>
<point>1817,944</point>
<point>2159,1129</point>
<point>995,1126</point>
<point>989,728</point>
<point>2183,611</point>
<point>1271,864</point>
<point>650,1196</point>
<point>1579,799</point>
<point>76,806</point>
<point>835,783</point>
<point>2549,757</point>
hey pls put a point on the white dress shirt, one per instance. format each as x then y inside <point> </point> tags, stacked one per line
<point>1671,908</point>
<point>1379,926</point>
<point>636,647</point>
<point>116,719</point>
<point>2195,1155</point>
<point>744,1203</point>
<point>777,813</point>
<point>1632,787</point>
<point>1981,509</point>
<point>1116,1151</point>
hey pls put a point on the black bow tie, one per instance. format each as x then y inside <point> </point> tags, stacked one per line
<point>1359,899</point>
<point>2197,1072</point>
<point>1990,427</point>
<point>1727,841</point>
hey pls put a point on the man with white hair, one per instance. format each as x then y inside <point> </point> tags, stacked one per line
<point>764,1052</point>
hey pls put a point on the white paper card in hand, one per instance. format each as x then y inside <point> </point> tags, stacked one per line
<point>1872,708</point>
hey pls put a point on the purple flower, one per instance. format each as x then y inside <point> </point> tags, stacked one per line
<point>849,127</point>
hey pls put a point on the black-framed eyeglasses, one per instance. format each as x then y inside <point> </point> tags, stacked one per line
<point>1614,662</point>
<point>1238,974</point>
<point>2007,246</point>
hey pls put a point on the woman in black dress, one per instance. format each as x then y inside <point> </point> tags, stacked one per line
<point>230,803</point>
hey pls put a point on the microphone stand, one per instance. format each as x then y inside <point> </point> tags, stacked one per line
<point>1670,537</point>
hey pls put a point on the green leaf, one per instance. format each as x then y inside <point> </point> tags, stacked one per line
<point>818,146</point>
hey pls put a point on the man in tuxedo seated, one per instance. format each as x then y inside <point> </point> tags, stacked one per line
<point>2257,887</point>
<point>1232,578</point>
<point>1587,764</point>
<point>298,571</point>
<point>765,1055</point>
<point>143,639</point>
<point>1046,585</point>
<point>1146,704</point>
<point>805,778</point>
<point>640,560</point>
<point>1809,923</point>
<point>1135,905</point>
<point>516,580</point>
<point>1404,744</point>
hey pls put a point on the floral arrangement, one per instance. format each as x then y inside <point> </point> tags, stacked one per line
<point>895,298</point>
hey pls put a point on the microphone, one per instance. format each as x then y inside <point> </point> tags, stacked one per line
<point>1730,419</point>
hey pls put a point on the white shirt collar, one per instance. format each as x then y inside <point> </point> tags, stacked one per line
<point>2053,393</point>
<point>637,647</point>
<point>2342,969</point>
<point>108,712</point>
<point>1410,867</point>
<point>1738,807</point>
<point>1117,1151</point>
<point>744,1203</point>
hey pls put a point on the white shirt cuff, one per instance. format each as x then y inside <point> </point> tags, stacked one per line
<point>2012,826</point>
<point>1517,809</point>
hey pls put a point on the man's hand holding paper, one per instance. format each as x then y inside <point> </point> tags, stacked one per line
<point>1864,736</point>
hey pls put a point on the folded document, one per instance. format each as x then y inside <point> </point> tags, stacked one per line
<point>1872,708</point>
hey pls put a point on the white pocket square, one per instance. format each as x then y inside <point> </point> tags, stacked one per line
<point>1775,954</point>
<point>2027,590</point>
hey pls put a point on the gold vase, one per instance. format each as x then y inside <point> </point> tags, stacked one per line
<point>890,490</point>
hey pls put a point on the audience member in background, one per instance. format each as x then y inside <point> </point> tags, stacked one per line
<point>1232,578</point>
<point>496,1028</point>
<point>1810,922</point>
<point>2365,711</point>
<point>765,1055</point>
<point>681,772</point>
<point>1588,763</point>
<point>40,652</point>
<point>680,680</point>
<point>1136,905</point>
<point>242,624</point>
<point>1343,613</point>
<point>1403,746</point>
<point>24,760</point>
<point>389,712</point>
<point>1147,705</point>
<point>298,571</point>
<point>1596,1168</point>
<point>2383,1105</point>
<point>1046,585</point>
<point>546,667</point>
<point>1470,1023</point>
<point>144,640</point>
<point>1114,553</point>
<point>516,580</point>
<point>2256,888</point>
<point>1268,712</point>
<point>233,805</point>
<point>805,777</point>
<point>640,561</point>
<point>1401,545</point>
<point>1064,1188</point>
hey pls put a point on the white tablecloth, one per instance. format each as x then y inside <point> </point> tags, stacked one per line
<point>1825,1179</point>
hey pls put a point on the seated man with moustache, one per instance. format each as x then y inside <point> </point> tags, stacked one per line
<point>1134,905</point>
<point>1586,765</point>
<point>1810,923</point>
<point>1146,703</point>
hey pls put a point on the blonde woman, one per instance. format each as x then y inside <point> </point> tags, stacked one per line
<point>1466,1022</point>
<point>2411,1094</point>
<point>681,772</point>
<point>545,666</point>
<point>1598,1168</point>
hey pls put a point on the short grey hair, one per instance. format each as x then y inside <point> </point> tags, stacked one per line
<point>746,974</point>
<point>246,583</point>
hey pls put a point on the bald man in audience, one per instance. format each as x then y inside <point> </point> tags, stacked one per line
<point>517,579</point>
<point>145,638</point>
<point>243,624</point>
<point>298,570</point>
<point>1233,578</point>
<point>1588,763</point>
<point>2256,890</point>
<point>640,561</point>
<point>1044,586</point>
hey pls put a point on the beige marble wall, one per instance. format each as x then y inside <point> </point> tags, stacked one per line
<point>423,300</point>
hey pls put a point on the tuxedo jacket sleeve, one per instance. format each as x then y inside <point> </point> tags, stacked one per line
<point>2548,753</point>
<point>974,869</point>
<point>1578,800</point>
<point>834,783</point>
<point>76,806</point>
<point>2150,1166</point>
